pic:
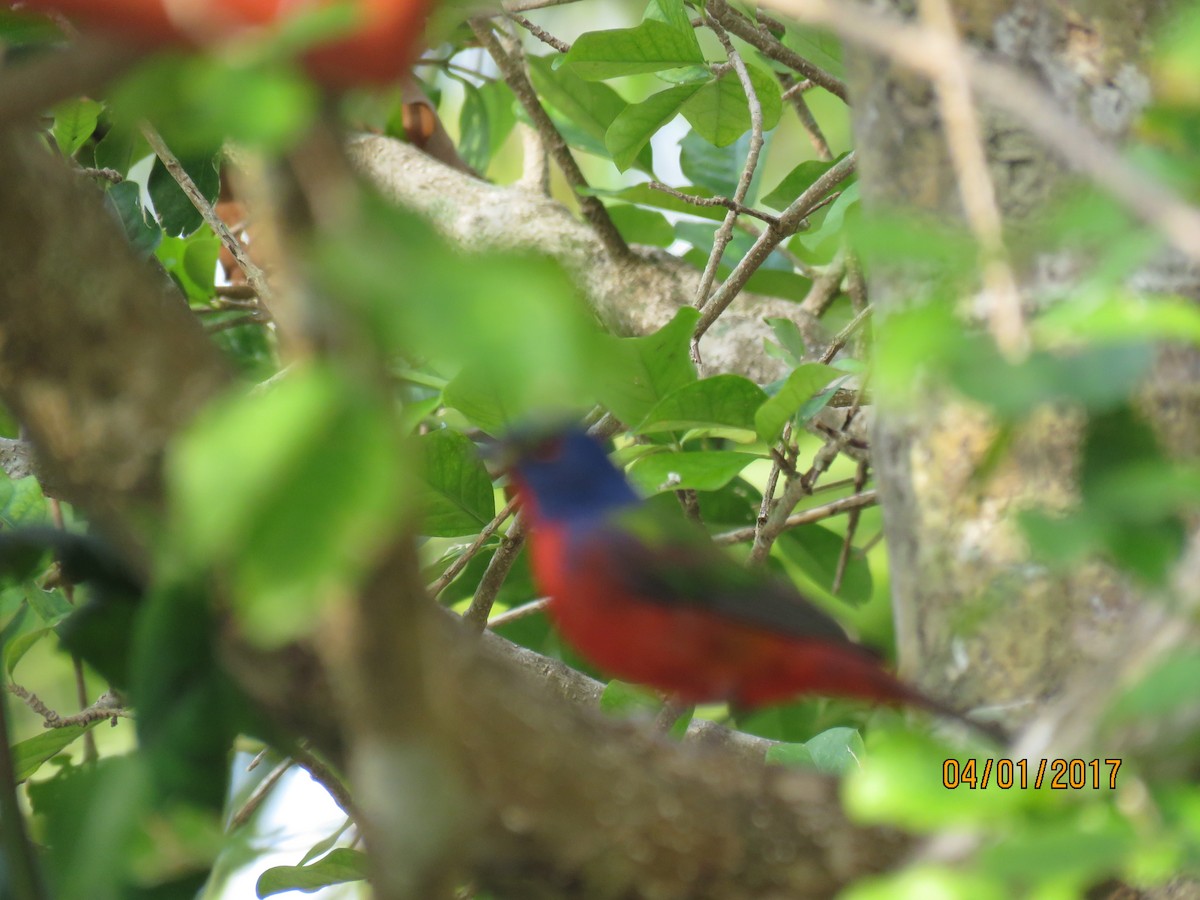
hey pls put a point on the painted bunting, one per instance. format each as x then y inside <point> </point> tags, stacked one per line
<point>666,608</point>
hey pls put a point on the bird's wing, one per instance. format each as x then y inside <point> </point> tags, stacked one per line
<point>690,571</point>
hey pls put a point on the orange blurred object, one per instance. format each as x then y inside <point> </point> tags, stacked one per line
<point>380,49</point>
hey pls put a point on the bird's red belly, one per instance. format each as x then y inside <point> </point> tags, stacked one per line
<point>694,654</point>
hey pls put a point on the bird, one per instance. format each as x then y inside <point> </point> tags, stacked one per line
<point>657,603</point>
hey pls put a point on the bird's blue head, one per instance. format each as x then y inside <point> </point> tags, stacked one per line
<point>568,474</point>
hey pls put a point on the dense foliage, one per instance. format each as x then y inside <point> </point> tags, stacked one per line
<point>361,397</point>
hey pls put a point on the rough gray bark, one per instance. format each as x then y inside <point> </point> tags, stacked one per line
<point>972,609</point>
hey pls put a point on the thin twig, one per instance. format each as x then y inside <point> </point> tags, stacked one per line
<point>519,612</point>
<point>795,95</point>
<point>110,175</point>
<point>726,202</point>
<point>842,337</point>
<point>834,508</point>
<point>81,697</point>
<point>964,139</point>
<point>724,234</point>
<point>104,708</point>
<point>254,275</point>
<point>762,39</point>
<point>514,75</point>
<point>540,33</point>
<point>774,235</point>
<point>860,479</point>
<point>498,568</point>
<point>260,793</point>
<point>328,779</point>
<point>467,555</point>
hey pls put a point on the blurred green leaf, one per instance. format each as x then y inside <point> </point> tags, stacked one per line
<point>790,339</point>
<point>199,102</point>
<point>515,322</point>
<point>836,750</point>
<point>648,368</point>
<point>192,262</point>
<point>28,755</point>
<point>1121,317</point>
<point>1169,686</point>
<point>706,470</point>
<point>458,499</point>
<point>789,755</point>
<point>925,881</point>
<point>74,122</point>
<point>310,477</point>
<point>339,866</point>
<point>649,47</point>
<point>1085,850</point>
<point>726,401</point>
<point>901,783</point>
<point>620,698</point>
<point>21,502</point>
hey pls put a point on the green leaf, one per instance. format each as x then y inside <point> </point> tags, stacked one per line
<point>632,129</point>
<point>837,750</point>
<point>641,226</point>
<point>21,502</point>
<point>50,606</point>
<point>720,112</point>
<point>649,47</point>
<point>20,645</point>
<point>126,201</point>
<point>338,867</point>
<point>796,182</point>
<point>815,551</point>
<point>790,339</point>
<point>28,755</point>
<point>74,122</point>
<point>722,401</point>
<point>790,755</point>
<point>620,698</point>
<point>672,12</point>
<point>590,105</point>
<point>716,168</point>
<point>647,369</point>
<point>176,213</point>
<point>311,480</point>
<point>802,384</point>
<point>486,121</point>
<point>192,262</point>
<point>484,400</point>
<point>117,149</point>
<point>459,498</point>
<point>709,470</point>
